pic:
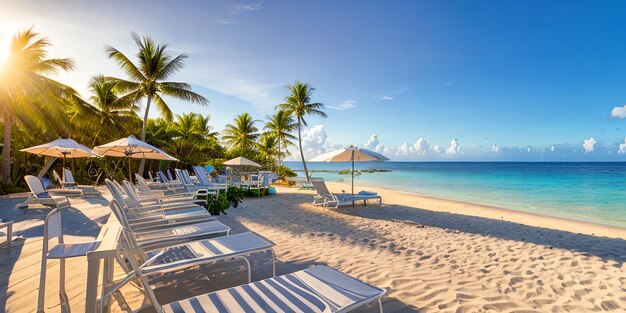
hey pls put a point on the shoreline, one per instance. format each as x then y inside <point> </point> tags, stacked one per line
<point>436,204</point>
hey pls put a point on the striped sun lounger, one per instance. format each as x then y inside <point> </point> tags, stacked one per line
<point>316,289</point>
<point>238,246</point>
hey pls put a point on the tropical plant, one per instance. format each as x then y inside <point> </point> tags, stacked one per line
<point>108,116</point>
<point>235,195</point>
<point>298,103</point>
<point>147,79</point>
<point>194,138</point>
<point>28,96</point>
<point>241,135</point>
<point>281,124</point>
<point>268,150</point>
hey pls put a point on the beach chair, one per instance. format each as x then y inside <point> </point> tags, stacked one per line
<point>185,180</point>
<point>69,179</point>
<point>175,258</point>
<point>203,178</point>
<point>168,234</point>
<point>254,183</point>
<point>55,248</point>
<point>316,289</point>
<point>155,216</point>
<point>327,199</point>
<point>39,195</point>
<point>168,194</point>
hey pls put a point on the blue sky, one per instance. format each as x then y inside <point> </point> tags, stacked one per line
<point>500,77</point>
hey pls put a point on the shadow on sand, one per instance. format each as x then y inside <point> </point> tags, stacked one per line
<point>603,247</point>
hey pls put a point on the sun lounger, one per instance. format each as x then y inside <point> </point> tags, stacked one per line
<point>316,289</point>
<point>177,258</point>
<point>69,179</point>
<point>162,195</point>
<point>145,203</point>
<point>39,195</point>
<point>154,217</point>
<point>327,199</point>
<point>168,234</point>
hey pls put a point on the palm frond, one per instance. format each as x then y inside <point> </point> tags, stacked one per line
<point>182,91</point>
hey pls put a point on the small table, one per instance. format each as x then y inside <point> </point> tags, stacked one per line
<point>9,231</point>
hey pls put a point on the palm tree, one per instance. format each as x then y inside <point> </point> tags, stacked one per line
<point>241,136</point>
<point>107,112</point>
<point>147,79</point>
<point>27,95</point>
<point>281,125</point>
<point>267,149</point>
<point>298,104</point>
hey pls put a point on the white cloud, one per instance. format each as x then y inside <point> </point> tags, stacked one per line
<point>589,144</point>
<point>421,146</point>
<point>622,147</point>
<point>494,148</point>
<point>347,104</point>
<point>436,149</point>
<point>619,112</point>
<point>385,98</point>
<point>403,149</point>
<point>454,147</point>
<point>256,6</point>
<point>552,148</point>
<point>374,144</point>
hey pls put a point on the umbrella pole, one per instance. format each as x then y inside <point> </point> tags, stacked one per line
<point>352,178</point>
<point>63,169</point>
<point>130,178</point>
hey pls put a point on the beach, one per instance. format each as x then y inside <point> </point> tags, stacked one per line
<point>433,255</point>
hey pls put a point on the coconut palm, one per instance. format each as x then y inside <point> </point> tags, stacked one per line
<point>241,136</point>
<point>147,79</point>
<point>281,124</point>
<point>267,147</point>
<point>107,112</point>
<point>27,95</point>
<point>298,104</point>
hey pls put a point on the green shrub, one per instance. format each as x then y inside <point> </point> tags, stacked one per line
<point>235,195</point>
<point>217,205</point>
<point>283,172</point>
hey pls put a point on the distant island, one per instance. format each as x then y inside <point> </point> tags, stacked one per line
<point>347,171</point>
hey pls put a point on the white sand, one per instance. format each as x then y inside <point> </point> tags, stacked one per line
<point>433,259</point>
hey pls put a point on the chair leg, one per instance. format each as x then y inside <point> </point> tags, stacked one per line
<point>42,284</point>
<point>65,301</point>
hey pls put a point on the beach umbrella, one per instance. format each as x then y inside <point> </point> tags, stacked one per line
<point>132,147</point>
<point>241,161</point>
<point>62,148</point>
<point>350,154</point>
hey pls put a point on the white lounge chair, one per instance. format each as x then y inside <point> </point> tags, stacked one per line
<point>168,234</point>
<point>316,289</point>
<point>156,216</point>
<point>39,195</point>
<point>69,179</point>
<point>203,177</point>
<point>144,192</point>
<point>327,199</point>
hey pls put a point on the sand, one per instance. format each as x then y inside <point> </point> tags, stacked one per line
<point>433,255</point>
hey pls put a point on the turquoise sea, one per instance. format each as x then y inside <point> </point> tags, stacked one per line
<point>593,192</point>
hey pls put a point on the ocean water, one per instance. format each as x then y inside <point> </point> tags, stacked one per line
<point>593,192</point>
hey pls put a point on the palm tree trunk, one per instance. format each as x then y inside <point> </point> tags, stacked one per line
<point>306,171</point>
<point>143,134</point>
<point>6,149</point>
<point>279,163</point>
